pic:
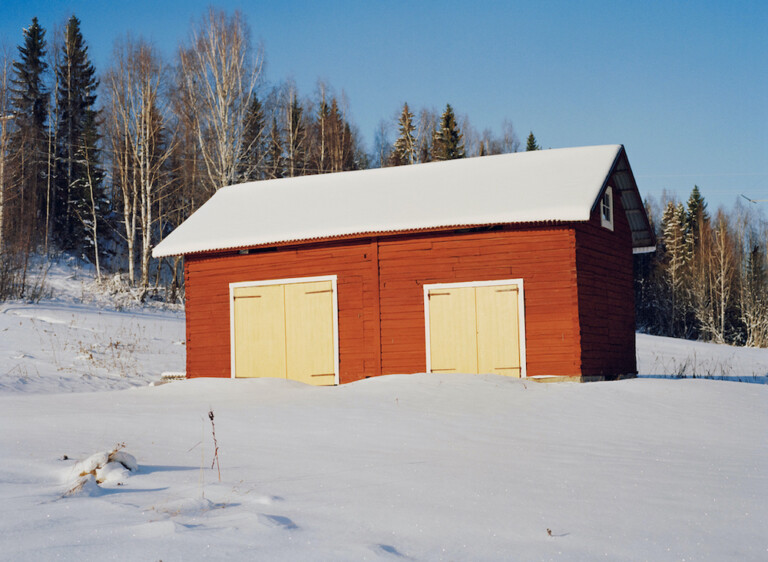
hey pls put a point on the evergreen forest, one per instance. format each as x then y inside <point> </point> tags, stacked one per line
<point>103,163</point>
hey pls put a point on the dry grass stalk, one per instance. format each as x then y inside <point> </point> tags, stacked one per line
<point>215,445</point>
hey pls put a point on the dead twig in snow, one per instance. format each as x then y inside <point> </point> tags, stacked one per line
<point>215,445</point>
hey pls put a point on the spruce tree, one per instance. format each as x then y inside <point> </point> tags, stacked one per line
<point>348,160</point>
<point>77,139</point>
<point>92,206</point>
<point>296,150</point>
<point>334,141</point>
<point>753,305</point>
<point>274,164</point>
<point>404,150</point>
<point>340,142</point>
<point>675,260</point>
<point>531,144</point>
<point>29,137</point>
<point>646,281</point>
<point>323,136</point>
<point>447,142</point>
<point>252,150</point>
<point>697,217</point>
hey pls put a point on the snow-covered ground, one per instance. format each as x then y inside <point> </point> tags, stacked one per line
<point>81,341</point>
<point>411,467</point>
<point>670,357</point>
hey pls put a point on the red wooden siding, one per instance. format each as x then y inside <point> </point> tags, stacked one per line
<point>381,299</point>
<point>542,257</point>
<point>606,296</point>
<point>207,287</point>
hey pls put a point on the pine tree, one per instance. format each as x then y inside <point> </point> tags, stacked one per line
<point>531,144</point>
<point>251,161</point>
<point>77,138</point>
<point>404,150</point>
<point>29,137</point>
<point>447,140</point>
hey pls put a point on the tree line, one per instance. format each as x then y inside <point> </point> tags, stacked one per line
<point>104,165</point>
<point>708,278</point>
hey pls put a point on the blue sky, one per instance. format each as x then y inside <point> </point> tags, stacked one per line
<point>683,85</point>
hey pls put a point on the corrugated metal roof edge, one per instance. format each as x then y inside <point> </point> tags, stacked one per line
<point>366,234</point>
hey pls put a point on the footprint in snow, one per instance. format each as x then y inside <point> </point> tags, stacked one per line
<point>278,521</point>
<point>388,549</point>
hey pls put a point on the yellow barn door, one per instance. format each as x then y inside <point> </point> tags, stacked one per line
<point>285,331</point>
<point>309,332</point>
<point>498,337</point>
<point>259,331</point>
<point>453,343</point>
<point>475,330</point>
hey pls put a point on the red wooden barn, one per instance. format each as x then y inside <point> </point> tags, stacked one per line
<point>516,264</point>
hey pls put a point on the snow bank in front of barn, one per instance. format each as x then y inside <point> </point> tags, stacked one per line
<point>422,467</point>
<point>428,466</point>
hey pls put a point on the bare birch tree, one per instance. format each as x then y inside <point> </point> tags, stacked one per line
<point>509,139</point>
<point>702,288</point>
<point>135,124</point>
<point>320,148</point>
<point>471,138</point>
<point>425,129</point>
<point>750,230</point>
<point>382,147</point>
<point>753,295</point>
<point>218,71</point>
<point>723,270</point>
<point>295,135</point>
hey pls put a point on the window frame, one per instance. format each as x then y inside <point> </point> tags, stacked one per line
<point>606,204</point>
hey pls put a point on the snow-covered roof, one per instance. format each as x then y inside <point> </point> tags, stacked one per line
<point>548,185</point>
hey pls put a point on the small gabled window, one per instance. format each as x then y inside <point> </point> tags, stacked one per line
<point>606,209</point>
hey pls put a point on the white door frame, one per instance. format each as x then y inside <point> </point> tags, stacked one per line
<point>290,281</point>
<point>500,282</point>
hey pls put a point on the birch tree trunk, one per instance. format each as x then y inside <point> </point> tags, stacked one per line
<point>722,271</point>
<point>94,212</point>
<point>134,85</point>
